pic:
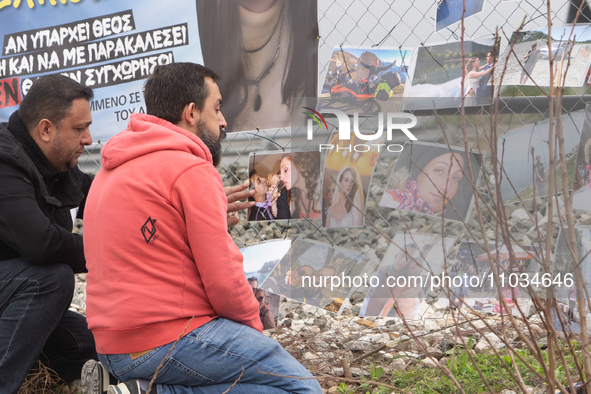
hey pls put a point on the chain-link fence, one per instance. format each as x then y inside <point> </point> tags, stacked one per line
<point>318,337</point>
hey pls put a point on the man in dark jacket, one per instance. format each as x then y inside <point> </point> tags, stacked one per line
<point>42,192</point>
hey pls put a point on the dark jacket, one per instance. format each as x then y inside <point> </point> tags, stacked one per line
<point>35,202</point>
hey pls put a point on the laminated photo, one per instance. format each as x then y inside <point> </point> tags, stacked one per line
<point>450,11</point>
<point>436,75</point>
<point>403,276</point>
<point>316,273</point>
<point>365,80</point>
<point>432,180</point>
<point>347,176</point>
<point>582,178</point>
<point>525,159</point>
<point>259,260</point>
<point>474,285</point>
<point>287,186</point>
<point>528,63</point>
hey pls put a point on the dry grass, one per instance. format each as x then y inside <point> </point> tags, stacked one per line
<point>42,380</point>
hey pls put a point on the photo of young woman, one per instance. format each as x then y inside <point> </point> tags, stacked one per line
<point>431,179</point>
<point>265,52</point>
<point>285,180</point>
<point>347,206</point>
<point>347,176</point>
<point>300,172</point>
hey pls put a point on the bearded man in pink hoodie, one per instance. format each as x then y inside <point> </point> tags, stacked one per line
<point>161,262</point>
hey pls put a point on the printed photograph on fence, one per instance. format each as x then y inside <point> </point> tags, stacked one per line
<point>316,273</point>
<point>268,307</point>
<point>403,278</point>
<point>432,180</point>
<point>287,186</point>
<point>450,11</point>
<point>259,260</point>
<point>365,80</point>
<point>529,64</point>
<point>111,47</point>
<point>436,75</point>
<point>525,173</point>
<point>347,176</point>
<point>265,53</point>
<point>565,265</point>
<point>471,281</point>
<point>582,178</point>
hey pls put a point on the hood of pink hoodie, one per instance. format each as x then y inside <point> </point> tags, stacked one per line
<point>146,134</point>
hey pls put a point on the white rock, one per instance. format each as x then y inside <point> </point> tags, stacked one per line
<point>520,214</point>
<point>430,363</point>
<point>398,365</point>
<point>376,338</point>
<point>431,324</point>
<point>408,354</point>
<point>359,345</point>
<point>314,310</point>
<point>310,356</point>
<point>483,344</point>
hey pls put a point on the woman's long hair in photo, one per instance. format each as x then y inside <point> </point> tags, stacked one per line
<point>308,166</point>
<point>355,196</point>
<point>221,46</point>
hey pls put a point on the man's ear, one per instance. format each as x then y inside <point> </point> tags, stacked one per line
<point>45,130</point>
<point>191,114</point>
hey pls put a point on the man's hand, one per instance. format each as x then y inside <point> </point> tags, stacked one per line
<point>237,193</point>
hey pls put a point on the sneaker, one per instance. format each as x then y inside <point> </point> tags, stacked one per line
<point>131,387</point>
<point>95,378</point>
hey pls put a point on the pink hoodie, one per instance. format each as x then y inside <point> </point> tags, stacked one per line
<point>156,241</point>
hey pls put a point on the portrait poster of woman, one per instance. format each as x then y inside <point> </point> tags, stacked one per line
<point>347,176</point>
<point>287,185</point>
<point>408,256</point>
<point>582,183</point>
<point>432,180</point>
<point>265,52</point>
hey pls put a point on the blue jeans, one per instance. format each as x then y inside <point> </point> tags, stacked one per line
<point>211,358</point>
<point>35,323</point>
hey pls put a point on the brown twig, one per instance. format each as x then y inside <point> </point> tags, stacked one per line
<point>236,381</point>
<point>168,354</point>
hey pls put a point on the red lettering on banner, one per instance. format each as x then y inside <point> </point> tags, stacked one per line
<point>10,93</point>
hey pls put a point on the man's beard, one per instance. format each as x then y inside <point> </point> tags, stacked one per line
<point>213,144</point>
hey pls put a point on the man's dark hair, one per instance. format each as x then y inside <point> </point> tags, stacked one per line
<point>252,279</point>
<point>252,173</point>
<point>50,97</point>
<point>174,86</point>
